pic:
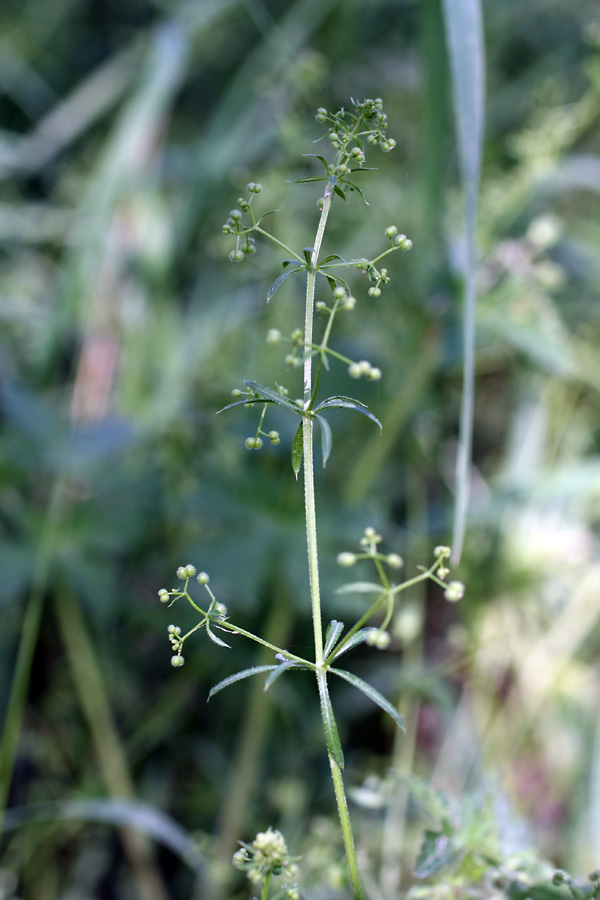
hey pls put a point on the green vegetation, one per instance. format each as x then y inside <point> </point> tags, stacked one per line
<point>127,131</point>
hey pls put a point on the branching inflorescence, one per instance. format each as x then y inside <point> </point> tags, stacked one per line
<point>350,133</point>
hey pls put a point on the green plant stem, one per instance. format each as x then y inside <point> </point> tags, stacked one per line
<point>266,885</point>
<point>307,437</point>
<point>340,796</point>
<point>275,240</point>
<point>311,536</point>
<point>235,629</point>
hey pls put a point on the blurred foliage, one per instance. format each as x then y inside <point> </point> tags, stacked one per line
<point>128,131</point>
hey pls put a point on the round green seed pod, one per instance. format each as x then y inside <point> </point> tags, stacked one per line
<point>346,559</point>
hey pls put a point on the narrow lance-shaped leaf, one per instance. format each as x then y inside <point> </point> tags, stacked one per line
<point>372,694</point>
<point>331,257</point>
<point>297,449</point>
<point>326,439</point>
<point>264,215</point>
<point>334,630</point>
<point>359,637</point>
<point>355,187</point>
<point>464,36</point>
<point>346,403</point>
<point>361,587</point>
<point>281,278</point>
<point>268,393</point>
<point>309,178</point>
<point>334,280</point>
<point>239,676</point>
<point>332,737</point>
<point>245,402</point>
<point>279,670</point>
<point>215,639</point>
<point>319,157</point>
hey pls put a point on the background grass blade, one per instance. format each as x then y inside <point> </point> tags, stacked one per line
<point>464,37</point>
<point>133,814</point>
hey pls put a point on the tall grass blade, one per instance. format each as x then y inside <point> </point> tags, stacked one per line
<point>134,814</point>
<point>464,37</point>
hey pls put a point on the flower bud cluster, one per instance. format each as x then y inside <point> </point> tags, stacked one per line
<point>233,225</point>
<point>370,537</point>
<point>377,637</point>
<point>176,640</point>
<point>343,300</point>
<point>455,591</point>
<point>369,542</point>
<point>364,367</point>
<point>348,129</point>
<point>267,855</point>
<point>397,240</point>
<point>294,359</point>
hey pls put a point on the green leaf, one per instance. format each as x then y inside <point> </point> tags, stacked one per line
<point>307,179</point>
<point>332,737</point>
<point>281,278</point>
<point>273,396</point>
<point>325,438</point>
<point>308,252</point>
<point>239,676</point>
<point>438,852</point>
<point>279,670</point>
<point>239,403</point>
<point>318,156</point>
<point>372,694</point>
<point>432,804</point>
<point>334,280</point>
<point>331,257</point>
<point>334,630</point>
<point>215,639</point>
<point>347,403</point>
<point>339,192</point>
<point>297,448</point>
<point>343,397</point>
<point>356,188</point>
<point>464,37</point>
<point>269,212</point>
<point>361,587</point>
<point>359,637</point>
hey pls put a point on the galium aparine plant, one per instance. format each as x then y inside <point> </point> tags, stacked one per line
<point>351,134</point>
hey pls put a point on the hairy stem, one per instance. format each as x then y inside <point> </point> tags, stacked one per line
<point>340,796</point>
<point>311,535</point>
<point>308,435</point>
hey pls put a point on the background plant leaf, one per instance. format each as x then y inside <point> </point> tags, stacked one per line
<point>464,35</point>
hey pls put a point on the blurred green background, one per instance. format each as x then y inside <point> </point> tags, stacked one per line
<point>128,130</point>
